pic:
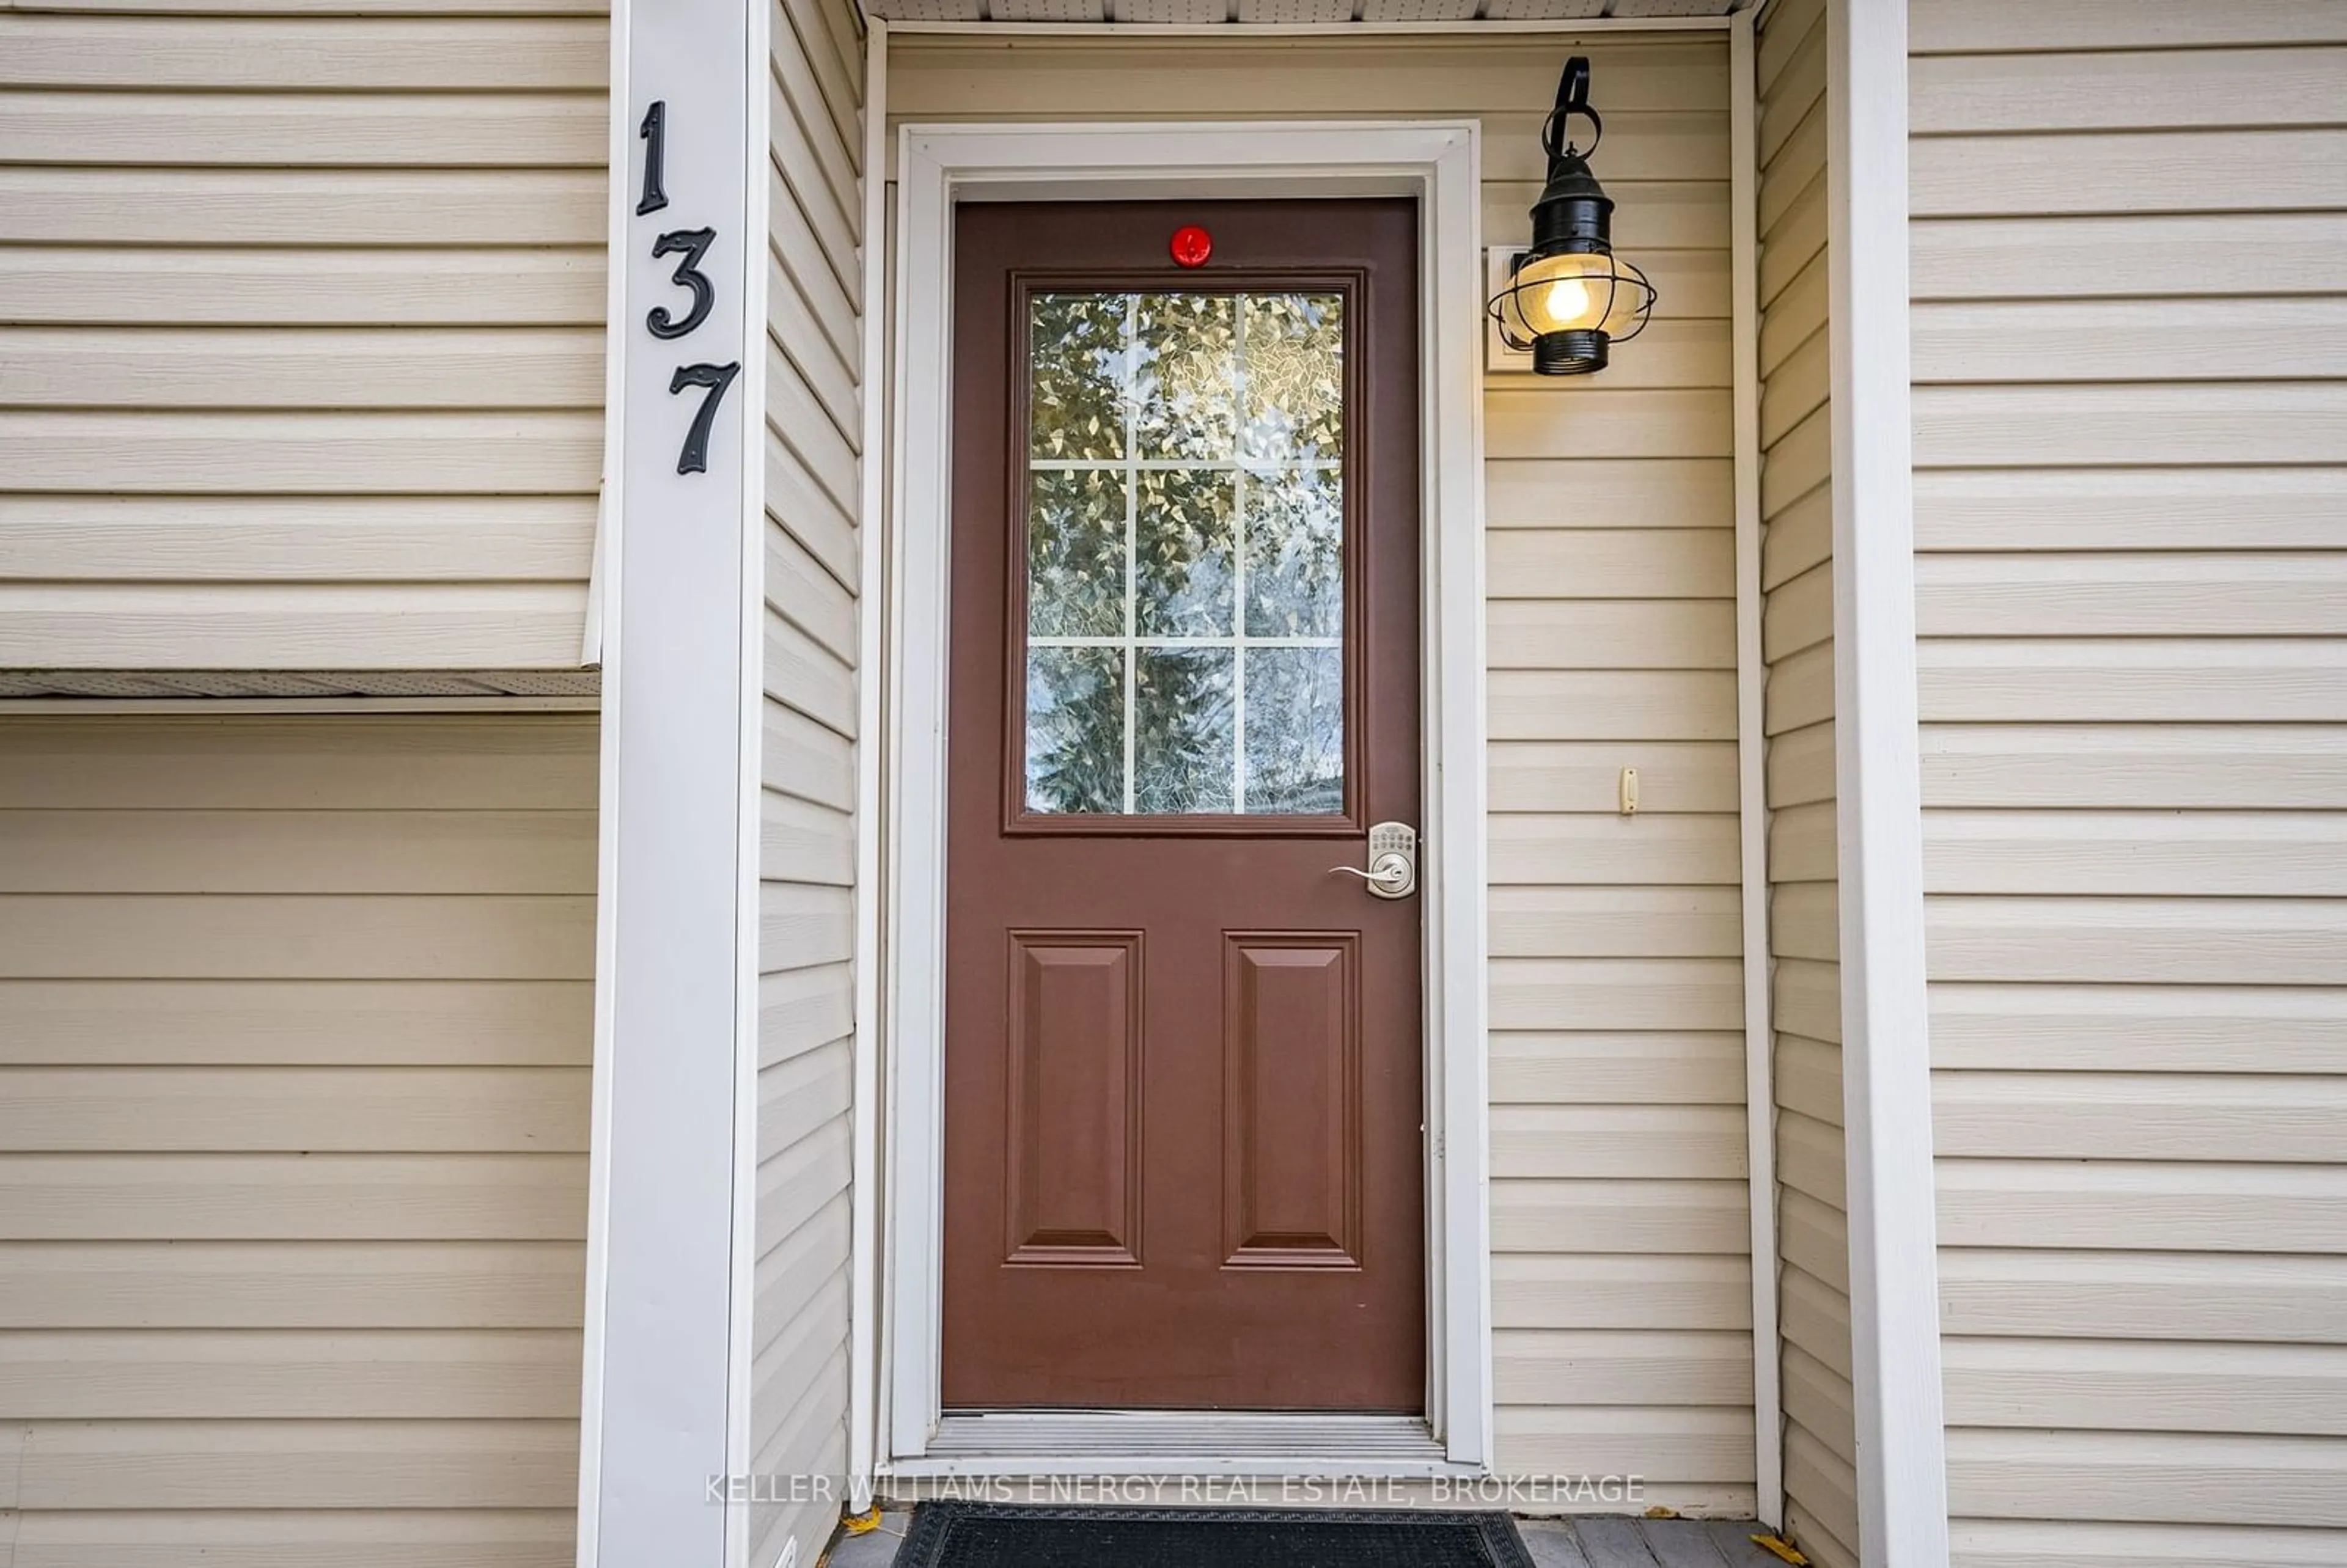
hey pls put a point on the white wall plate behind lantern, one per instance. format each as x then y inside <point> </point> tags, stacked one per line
<point>1499,359</point>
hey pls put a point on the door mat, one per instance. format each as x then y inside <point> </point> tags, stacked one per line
<point>956,1534</point>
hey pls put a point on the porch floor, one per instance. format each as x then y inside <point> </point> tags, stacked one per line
<point>1554,1543</point>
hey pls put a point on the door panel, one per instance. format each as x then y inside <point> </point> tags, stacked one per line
<point>1184,1094</point>
<point>1292,1099</point>
<point>1073,1098</point>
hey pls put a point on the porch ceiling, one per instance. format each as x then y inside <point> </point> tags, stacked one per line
<point>1332,14</point>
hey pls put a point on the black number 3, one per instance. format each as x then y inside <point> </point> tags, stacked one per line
<point>694,243</point>
<point>694,458</point>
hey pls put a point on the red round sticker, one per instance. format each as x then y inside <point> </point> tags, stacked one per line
<point>1191,246</point>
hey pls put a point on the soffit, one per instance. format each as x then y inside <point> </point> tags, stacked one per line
<point>1331,13</point>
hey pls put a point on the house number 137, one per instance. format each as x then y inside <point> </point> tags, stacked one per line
<point>689,245</point>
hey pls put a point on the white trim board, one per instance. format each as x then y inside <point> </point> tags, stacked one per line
<point>661,1380</point>
<point>1752,780</point>
<point>186,686</point>
<point>1902,1497</point>
<point>1437,162</point>
<point>863,1351</point>
<point>211,707</point>
<point>749,703</point>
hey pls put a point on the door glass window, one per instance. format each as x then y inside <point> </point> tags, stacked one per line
<point>1186,554</point>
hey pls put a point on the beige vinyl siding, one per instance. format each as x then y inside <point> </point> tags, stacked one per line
<point>295,1025</point>
<point>2130,341</point>
<point>799,1384</point>
<point>1796,636</point>
<point>301,334</point>
<point>1621,1232</point>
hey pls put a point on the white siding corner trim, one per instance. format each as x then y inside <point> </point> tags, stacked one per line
<point>1751,773</point>
<point>1886,1075</point>
<point>1437,163</point>
<point>748,1055</point>
<point>864,1414</point>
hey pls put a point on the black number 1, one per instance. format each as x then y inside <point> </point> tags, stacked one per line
<point>654,131</point>
<point>694,458</point>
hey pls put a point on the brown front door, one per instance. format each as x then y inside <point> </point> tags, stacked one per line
<point>1184,1109</point>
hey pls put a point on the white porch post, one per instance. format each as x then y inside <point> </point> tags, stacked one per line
<point>674,965</point>
<point>1903,1494</point>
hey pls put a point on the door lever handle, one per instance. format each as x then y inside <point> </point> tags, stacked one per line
<point>1393,861</point>
<point>1389,876</point>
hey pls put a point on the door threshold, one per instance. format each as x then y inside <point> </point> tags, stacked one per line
<point>1179,1442</point>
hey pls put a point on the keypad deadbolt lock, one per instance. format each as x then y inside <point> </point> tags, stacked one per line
<point>1393,861</point>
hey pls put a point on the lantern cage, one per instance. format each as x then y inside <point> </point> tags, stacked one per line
<point>1570,315</point>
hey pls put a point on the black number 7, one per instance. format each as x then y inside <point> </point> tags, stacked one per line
<point>694,458</point>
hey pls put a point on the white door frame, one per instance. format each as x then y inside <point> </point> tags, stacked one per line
<point>1437,163</point>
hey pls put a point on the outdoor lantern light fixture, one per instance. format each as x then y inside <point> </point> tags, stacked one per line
<point>1569,298</point>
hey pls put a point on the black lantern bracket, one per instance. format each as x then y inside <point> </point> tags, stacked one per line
<point>1571,103</point>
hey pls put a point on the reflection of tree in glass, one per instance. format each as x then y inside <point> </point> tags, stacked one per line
<point>1075,553</point>
<point>1181,724</point>
<point>1075,729</point>
<point>1075,372</point>
<point>1183,529</point>
<point>1199,379</point>
<point>1294,730</point>
<point>1185,374</point>
<point>1295,554</point>
<point>1295,376</point>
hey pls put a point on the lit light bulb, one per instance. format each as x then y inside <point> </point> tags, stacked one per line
<point>1568,303</point>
